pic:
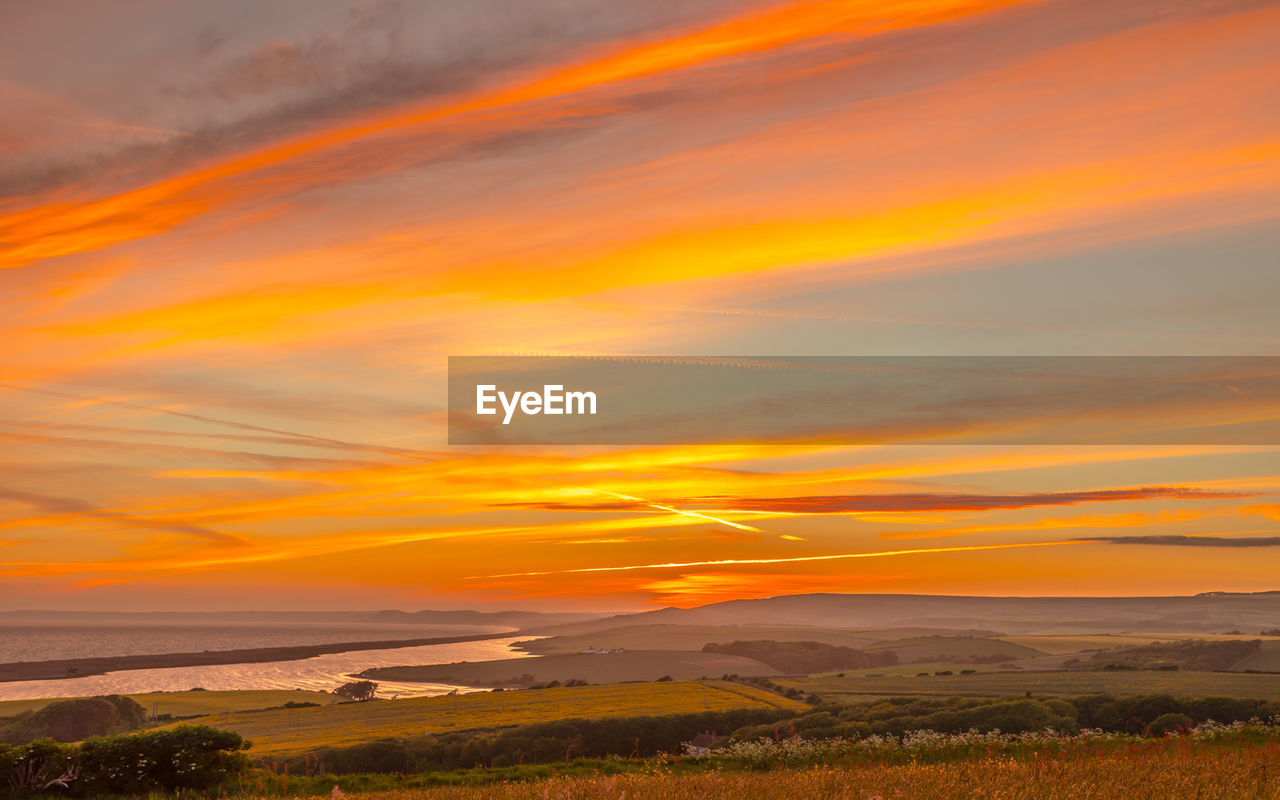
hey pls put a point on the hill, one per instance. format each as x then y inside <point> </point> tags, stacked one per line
<point>513,619</point>
<point>1213,612</point>
<point>695,637</point>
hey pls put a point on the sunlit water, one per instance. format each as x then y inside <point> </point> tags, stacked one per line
<point>50,642</point>
<point>322,673</point>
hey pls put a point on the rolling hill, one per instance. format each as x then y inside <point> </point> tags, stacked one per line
<point>1213,612</point>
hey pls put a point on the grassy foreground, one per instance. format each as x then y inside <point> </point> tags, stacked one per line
<point>1169,770</point>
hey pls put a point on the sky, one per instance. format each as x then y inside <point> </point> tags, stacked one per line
<point>238,242</point>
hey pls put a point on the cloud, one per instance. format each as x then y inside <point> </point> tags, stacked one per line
<point>76,507</point>
<point>841,504</point>
<point>292,436</point>
<point>1172,540</point>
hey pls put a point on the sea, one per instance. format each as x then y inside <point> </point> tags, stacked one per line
<point>324,673</point>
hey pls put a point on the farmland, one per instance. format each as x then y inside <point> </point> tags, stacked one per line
<point>694,637</point>
<point>1063,644</point>
<point>929,648</point>
<point>189,704</point>
<point>287,731</point>
<point>1004,683</point>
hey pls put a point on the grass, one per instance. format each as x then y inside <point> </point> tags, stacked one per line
<point>1266,661</point>
<point>1003,684</point>
<point>955,647</point>
<point>188,704</point>
<point>294,731</point>
<point>1168,769</point>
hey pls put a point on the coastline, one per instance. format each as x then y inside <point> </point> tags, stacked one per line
<point>81,667</point>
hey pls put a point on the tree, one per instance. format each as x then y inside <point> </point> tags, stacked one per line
<point>359,691</point>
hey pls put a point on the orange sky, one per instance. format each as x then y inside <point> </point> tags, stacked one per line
<point>236,249</point>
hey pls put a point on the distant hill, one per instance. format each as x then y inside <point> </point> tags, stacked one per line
<point>508,619</point>
<point>514,619</point>
<point>1214,612</point>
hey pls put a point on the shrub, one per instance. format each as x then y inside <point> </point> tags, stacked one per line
<point>386,756</point>
<point>187,757</point>
<point>1166,724</point>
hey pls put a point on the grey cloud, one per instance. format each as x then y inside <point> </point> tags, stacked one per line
<point>1190,541</point>
<point>70,505</point>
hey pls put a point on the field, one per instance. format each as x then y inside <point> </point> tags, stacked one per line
<point>637,665</point>
<point>1266,661</point>
<point>955,647</point>
<point>1064,644</point>
<point>188,704</point>
<point>1168,770</point>
<point>291,731</point>
<point>693,637</point>
<point>1004,683</point>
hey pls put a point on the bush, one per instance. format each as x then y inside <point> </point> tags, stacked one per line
<point>187,757</point>
<point>1166,724</point>
<point>37,767</point>
<point>168,760</point>
<point>387,756</point>
<point>539,743</point>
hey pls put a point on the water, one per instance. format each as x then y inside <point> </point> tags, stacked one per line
<point>322,673</point>
<point>52,642</point>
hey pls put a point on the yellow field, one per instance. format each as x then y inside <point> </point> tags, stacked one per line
<point>187,704</point>
<point>292,731</point>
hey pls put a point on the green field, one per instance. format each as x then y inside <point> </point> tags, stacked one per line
<point>954,648</point>
<point>1266,661</point>
<point>1005,683</point>
<point>189,704</point>
<point>292,731</point>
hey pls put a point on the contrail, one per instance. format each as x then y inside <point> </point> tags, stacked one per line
<point>698,515</point>
<point>732,561</point>
<point>672,510</point>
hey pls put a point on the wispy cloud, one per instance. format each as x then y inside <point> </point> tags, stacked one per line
<point>843,504</point>
<point>1174,540</point>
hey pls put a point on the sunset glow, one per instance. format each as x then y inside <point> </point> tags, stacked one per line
<point>234,261</point>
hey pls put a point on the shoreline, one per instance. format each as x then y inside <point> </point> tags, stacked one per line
<point>71,668</point>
